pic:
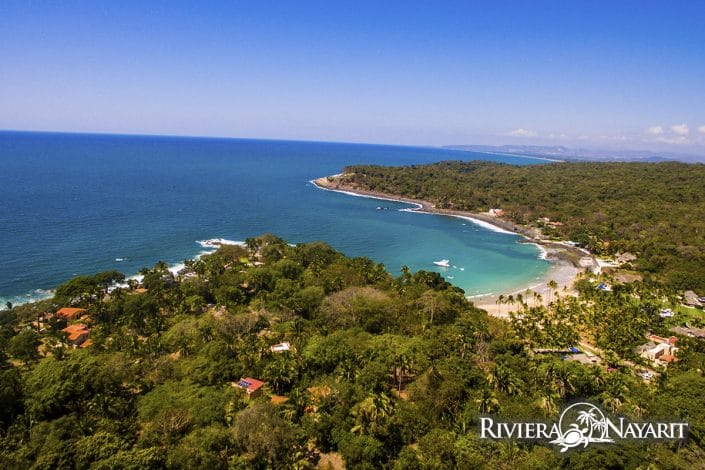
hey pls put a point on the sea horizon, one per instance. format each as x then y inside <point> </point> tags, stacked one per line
<point>83,203</point>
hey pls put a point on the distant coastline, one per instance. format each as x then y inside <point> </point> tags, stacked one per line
<point>565,259</point>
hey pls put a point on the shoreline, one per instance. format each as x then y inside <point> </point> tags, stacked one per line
<point>427,207</point>
<point>565,259</point>
<point>208,246</point>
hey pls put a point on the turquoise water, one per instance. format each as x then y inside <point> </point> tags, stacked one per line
<point>73,204</point>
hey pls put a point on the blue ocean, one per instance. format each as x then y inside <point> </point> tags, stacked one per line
<point>79,204</point>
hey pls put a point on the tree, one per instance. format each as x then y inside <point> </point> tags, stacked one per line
<point>24,346</point>
<point>371,415</point>
<point>487,402</point>
<point>281,372</point>
<point>260,431</point>
<point>503,379</point>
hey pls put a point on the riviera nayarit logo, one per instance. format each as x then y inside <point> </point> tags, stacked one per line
<point>580,425</point>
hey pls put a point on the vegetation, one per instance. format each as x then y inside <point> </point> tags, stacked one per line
<point>652,210</point>
<point>384,372</point>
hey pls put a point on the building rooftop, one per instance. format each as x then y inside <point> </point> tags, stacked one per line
<point>281,347</point>
<point>76,331</point>
<point>70,312</point>
<point>250,384</point>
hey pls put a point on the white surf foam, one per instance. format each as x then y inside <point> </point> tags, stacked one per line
<point>368,196</point>
<point>214,243</point>
<point>484,224</point>
<point>543,253</point>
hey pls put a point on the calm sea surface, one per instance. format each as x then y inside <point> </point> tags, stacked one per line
<point>77,204</point>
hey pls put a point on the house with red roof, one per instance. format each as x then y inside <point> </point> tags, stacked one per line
<point>69,313</point>
<point>253,387</point>
<point>77,333</point>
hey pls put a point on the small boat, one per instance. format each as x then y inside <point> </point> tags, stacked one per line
<point>444,263</point>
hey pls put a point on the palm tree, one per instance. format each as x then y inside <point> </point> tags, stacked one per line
<point>401,368</point>
<point>349,368</point>
<point>252,245</point>
<point>281,373</point>
<point>487,403</point>
<point>500,301</point>
<point>504,380</point>
<point>548,403</point>
<point>161,266</point>
<point>552,285</point>
<point>371,413</point>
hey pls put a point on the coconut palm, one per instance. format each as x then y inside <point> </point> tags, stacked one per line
<point>371,414</point>
<point>500,301</point>
<point>504,380</point>
<point>487,403</point>
<point>548,403</point>
<point>552,285</point>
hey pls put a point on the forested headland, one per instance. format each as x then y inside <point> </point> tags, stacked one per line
<point>654,211</point>
<point>372,371</point>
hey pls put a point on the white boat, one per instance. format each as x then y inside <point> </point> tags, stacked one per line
<point>444,262</point>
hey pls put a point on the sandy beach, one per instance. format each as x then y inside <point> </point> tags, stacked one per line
<point>565,258</point>
<point>562,272</point>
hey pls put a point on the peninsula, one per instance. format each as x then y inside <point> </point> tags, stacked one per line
<point>642,216</point>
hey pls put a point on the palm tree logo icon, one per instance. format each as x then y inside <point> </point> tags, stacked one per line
<point>582,424</point>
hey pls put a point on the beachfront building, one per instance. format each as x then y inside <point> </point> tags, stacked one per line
<point>77,334</point>
<point>252,387</point>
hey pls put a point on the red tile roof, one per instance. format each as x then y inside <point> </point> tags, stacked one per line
<point>668,358</point>
<point>69,312</point>
<point>250,384</point>
<point>76,331</point>
<point>659,339</point>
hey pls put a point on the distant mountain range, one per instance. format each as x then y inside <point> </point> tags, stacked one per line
<point>581,154</point>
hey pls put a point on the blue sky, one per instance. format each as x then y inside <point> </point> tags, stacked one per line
<point>587,73</point>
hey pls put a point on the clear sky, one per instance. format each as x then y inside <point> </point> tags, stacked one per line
<point>589,73</point>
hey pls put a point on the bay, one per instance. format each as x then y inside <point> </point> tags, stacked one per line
<point>84,203</point>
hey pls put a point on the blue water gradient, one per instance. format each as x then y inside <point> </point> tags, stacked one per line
<point>74,204</point>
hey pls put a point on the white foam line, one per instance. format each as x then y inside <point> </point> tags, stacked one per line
<point>42,294</point>
<point>543,253</point>
<point>478,222</point>
<point>484,224</point>
<point>479,295</point>
<point>369,196</point>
